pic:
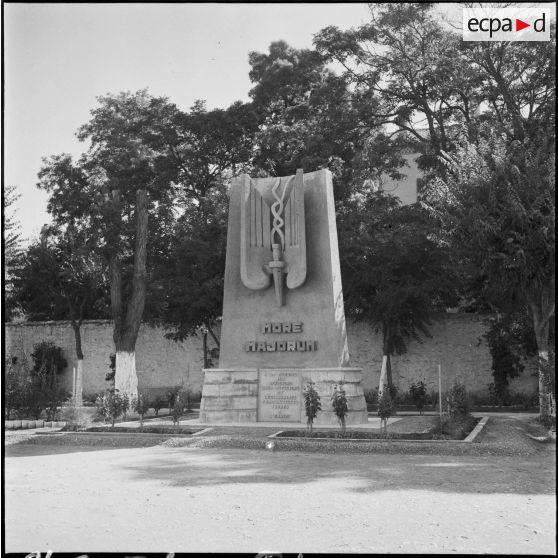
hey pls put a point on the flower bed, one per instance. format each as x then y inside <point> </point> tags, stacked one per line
<point>171,430</point>
<point>454,430</point>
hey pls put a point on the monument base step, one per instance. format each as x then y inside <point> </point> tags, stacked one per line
<point>276,395</point>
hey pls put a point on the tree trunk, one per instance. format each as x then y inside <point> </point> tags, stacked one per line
<point>126,332</point>
<point>545,395</point>
<point>78,401</point>
<point>126,379</point>
<point>542,309</point>
<point>78,393</point>
<point>383,375</point>
<point>76,326</point>
<point>205,364</point>
<point>389,377</point>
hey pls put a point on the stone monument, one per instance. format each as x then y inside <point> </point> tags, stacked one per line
<point>283,317</point>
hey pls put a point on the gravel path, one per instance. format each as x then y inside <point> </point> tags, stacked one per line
<point>162,499</point>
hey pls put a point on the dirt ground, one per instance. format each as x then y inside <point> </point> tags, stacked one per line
<point>163,499</point>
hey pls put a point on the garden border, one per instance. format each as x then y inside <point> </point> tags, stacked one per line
<point>18,424</point>
<point>60,433</point>
<point>468,440</point>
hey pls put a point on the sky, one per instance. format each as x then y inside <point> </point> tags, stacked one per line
<point>59,57</point>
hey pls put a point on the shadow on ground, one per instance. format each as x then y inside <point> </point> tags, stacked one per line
<point>47,444</point>
<point>372,472</point>
<point>189,467</point>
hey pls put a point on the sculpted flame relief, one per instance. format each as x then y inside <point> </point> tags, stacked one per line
<point>273,235</point>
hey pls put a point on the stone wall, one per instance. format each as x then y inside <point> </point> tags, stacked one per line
<point>160,362</point>
<point>457,343</point>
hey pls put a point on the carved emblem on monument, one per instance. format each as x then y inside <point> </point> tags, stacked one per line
<point>273,235</point>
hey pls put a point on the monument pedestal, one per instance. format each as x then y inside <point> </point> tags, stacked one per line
<point>276,395</point>
<point>283,314</point>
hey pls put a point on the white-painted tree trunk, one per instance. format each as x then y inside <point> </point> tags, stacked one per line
<point>78,393</point>
<point>546,398</point>
<point>125,378</point>
<point>383,375</point>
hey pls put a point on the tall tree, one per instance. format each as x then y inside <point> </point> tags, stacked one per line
<point>413,67</point>
<point>498,206</point>
<point>213,147</point>
<point>446,94</point>
<point>11,245</point>
<point>396,275</point>
<point>60,277</point>
<point>196,266</point>
<point>306,114</point>
<point>125,177</point>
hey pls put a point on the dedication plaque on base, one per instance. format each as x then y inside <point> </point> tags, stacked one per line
<point>279,395</point>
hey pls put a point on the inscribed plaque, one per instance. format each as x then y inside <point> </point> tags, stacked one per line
<point>279,395</point>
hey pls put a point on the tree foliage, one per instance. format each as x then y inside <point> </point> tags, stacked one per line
<point>11,247</point>
<point>312,404</point>
<point>498,206</point>
<point>413,67</point>
<point>196,265</point>
<point>60,277</point>
<point>339,404</point>
<point>307,119</point>
<point>396,274</point>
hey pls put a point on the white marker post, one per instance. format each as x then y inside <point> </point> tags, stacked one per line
<point>440,391</point>
<point>74,390</point>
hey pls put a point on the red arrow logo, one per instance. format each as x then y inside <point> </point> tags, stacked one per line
<point>519,25</point>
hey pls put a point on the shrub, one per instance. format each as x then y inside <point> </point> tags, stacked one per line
<point>515,399</point>
<point>17,388</point>
<point>127,404</point>
<point>48,360</point>
<point>54,396</point>
<point>29,392</point>
<point>46,392</point>
<point>371,396</point>
<point>140,404</point>
<point>179,405</point>
<point>75,417</point>
<point>524,400</point>
<point>385,408</point>
<point>454,428</point>
<point>458,401</point>
<point>90,398</point>
<point>508,338</point>
<point>111,405</point>
<point>419,395</point>
<point>404,398</point>
<point>339,403</point>
<point>157,404</point>
<point>187,396</point>
<point>312,404</point>
<point>171,396</point>
<point>478,399</point>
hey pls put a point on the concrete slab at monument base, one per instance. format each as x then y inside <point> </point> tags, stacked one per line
<point>276,395</point>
